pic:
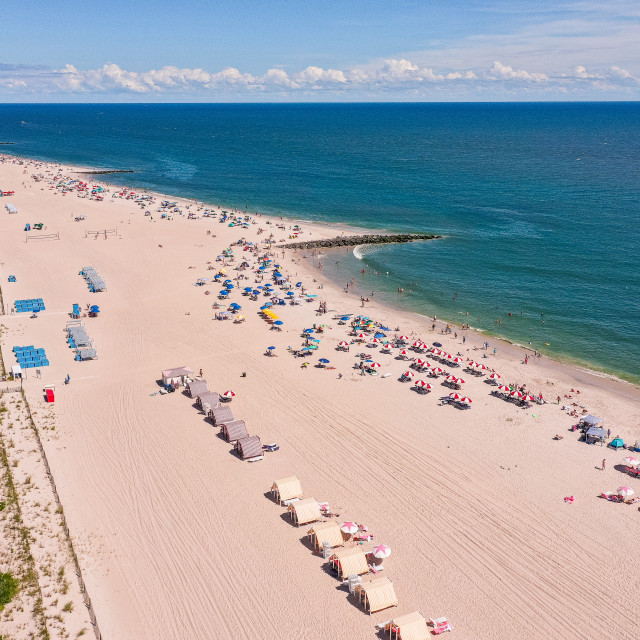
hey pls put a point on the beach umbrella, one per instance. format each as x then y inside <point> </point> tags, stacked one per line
<point>230,286</point>
<point>419,362</point>
<point>343,343</point>
<point>350,528</point>
<point>515,394</point>
<point>504,387</point>
<point>307,331</point>
<point>278,323</point>
<point>290,293</point>
<point>481,366</point>
<point>417,343</point>
<point>408,374</point>
<point>625,491</point>
<point>458,360</point>
<point>422,384</point>
<point>363,335</point>
<point>436,352</point>
<point>247,289</point>
<point>381,335</point>
<point>298,284</point>
<point>451,378</point>
<point>631,461</point>
<point>381,551</point>
<point>270,348</point>
<point>240,317</point>
<point>404,352</point>
<point>375,365</point>
<point>528,398</point>
<point>437,370</point>
<point>403,338</point>
<point>465,400</point>
<point>460,380</point>
<point>495,376</point>
<point>229,394</point>
<point>324,361</point>
<point>455,396</point>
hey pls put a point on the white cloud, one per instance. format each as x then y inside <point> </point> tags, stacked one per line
<point>402,77</point>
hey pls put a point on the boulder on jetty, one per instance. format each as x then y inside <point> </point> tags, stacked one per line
<point>352,241</point>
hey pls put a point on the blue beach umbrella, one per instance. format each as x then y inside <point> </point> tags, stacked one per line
<point>270,348</point>
<point>278,323</point>
<point>224,292</point>
<point>290,293</point>
<point>298,284</point>
<point>308,331</point>
<point>247,289</point>
<point>385,328</point>
<point>260,287</point>
<point>230,286</point>
<point>324,361</point>
<point>380,335</point>
<point>344,318</point>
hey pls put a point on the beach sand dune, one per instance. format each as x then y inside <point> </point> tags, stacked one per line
<point>178,538</point>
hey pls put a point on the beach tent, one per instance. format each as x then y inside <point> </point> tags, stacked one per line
<point>304,511</point>
<point>617,443</point>
<point>250,448</point>
<point>351,561</point>
<point>210,397</point>
<point>175,376</point>
<point>595,434</point>
<point>328,531</point>
<point>196,388</point>
<point>590,421</point>
<point>234,431</point>
<point>220,414</point>
<point>377,595</point>
<point>286,489</point>
<point>412,626</point>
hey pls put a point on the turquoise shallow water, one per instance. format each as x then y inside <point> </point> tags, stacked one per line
<point>539,203</point>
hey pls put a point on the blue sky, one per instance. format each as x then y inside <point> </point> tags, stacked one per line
<point>286,50</point>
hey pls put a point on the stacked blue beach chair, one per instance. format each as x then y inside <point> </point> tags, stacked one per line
<point>12,279</point>
<point>33,305</point>
<point>95,282</point>
<point>29,357</point>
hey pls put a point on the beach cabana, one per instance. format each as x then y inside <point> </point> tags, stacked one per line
<point>589,421</point>
<point>250,448</point>
<point>210,397</point>
<point>377,595</point>
<point>234,430</point>
<point>412,626</point>
<point>196,388</point>
<point>176,377</point>
<point>594,435</point>
<point>221,414</point>
<point>304,511</point>
<point>351,561</point>
<point>286,489</point>
<point>328,531</point>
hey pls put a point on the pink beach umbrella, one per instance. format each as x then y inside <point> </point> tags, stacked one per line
<point>350,528</point>
<point>229,394</point>
<point>625,491</point>
<point>631,461</point>
<point>494,376</point>
<point>381,551</point>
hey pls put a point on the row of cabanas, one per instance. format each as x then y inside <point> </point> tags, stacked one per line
<point>234,431</point>
<point>349,563</point>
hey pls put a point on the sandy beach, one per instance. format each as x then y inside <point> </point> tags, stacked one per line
<point>178,538</point>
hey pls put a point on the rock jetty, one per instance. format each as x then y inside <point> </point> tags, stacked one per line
<point>352,241</point>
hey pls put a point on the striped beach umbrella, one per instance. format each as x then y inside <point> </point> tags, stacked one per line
<point>437,370</point>
<point>421,384</point>
<point>631,461</point>
<point>505,388</point>
<point>465,400</point>
<point>381,551</point>
<point>374,365</point>
<point>516,394</point>
<point>343,343</point>
<point>229,394</point>
<point>625,491</point>
<point>408,374</point>
<point>404,338</point>
<point>528,398</point>
<point>458,360</point>
<point>363,335</point>
<point>495,376</point>
<point>455,396</point>
<point>350,528</point>
<point>451,378</point>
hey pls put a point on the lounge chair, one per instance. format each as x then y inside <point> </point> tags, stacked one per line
<point>438,622</point>
<point>438,630</point>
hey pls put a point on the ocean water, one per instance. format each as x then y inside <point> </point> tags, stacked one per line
<point>539,203</point>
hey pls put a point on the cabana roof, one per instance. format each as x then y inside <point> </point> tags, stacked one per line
<point>328,531</point>
<point>411,626</point>
<point>196,388</point>
<point>234,430</point>
<point>307,510</point>
<point>249,447</point>
<point>178,372</point>
<point>350,561</point>
<point>210,397</point>
<point>596,432</point>
<point>590,420</point>
<point>378,594</point>
<point>287,488</point>
<point>220,414</point>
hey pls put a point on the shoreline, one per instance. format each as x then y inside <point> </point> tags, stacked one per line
<point>567,360</point>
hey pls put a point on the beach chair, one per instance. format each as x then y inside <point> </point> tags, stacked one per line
<point>442,629</point>
<point>438,622</point>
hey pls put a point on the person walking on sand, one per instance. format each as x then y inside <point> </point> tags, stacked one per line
<point>604,464</point>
